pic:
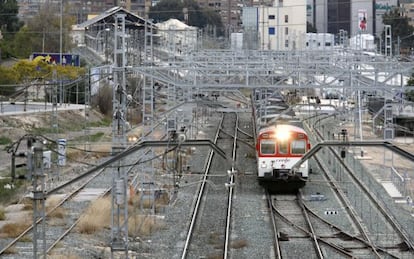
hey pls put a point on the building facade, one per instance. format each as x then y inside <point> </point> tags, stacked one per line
<point>352,16</point>
<point>281,26</point>
<point>81,9</point>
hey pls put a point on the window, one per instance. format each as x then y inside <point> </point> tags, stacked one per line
<point>286,30</point>
<point>271,17</point>
<point>267,147</point>
<point>272,31</point>
<point>298,147</point>
<point>283,147</point>
<point>286,43</point>
<point>327,44</point>
<point>286,18</point>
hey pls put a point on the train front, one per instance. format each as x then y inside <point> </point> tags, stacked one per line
<point>278,149</point>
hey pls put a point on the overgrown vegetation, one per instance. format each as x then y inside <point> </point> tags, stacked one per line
<point>91,138</point>
<point>144,225</point>
<point>106,121</point>
<point>97,217</point>
<point>5,140</point>
<point>2,214</point>
<point>8,191</point>
<point>14,229</point>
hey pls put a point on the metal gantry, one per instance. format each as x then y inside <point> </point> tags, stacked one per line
<point>119,212</point>
<point>347,71</point>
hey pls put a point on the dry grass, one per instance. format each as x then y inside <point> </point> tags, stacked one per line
<point>58,213</point>
<point>63,256</point>
<point>215,238</point>
<point>237,244</point>
<point>28,203</point>
<point>160,201</point>
<point>2,214</point>
<point>51,203</point>
<point>102,150</point>
<point>97,217</point>
<point>75,154</point>
<point>10,250</point>
<point>215,256</point>
<point>143,225</point>
<point>12,230</point>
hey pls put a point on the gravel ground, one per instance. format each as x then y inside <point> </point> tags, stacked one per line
<point>250,235</point>
<point>365,170</point>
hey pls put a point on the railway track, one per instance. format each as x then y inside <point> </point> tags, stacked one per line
<point>54,233</point>
<point>99,184</point>
<point>298,230</point>
<point>209,231</point>
<point>379,230</point>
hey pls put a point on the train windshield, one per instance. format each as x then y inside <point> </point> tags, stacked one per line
<point>298,147</point>
<point>267,147</point>
<point>283,147</point>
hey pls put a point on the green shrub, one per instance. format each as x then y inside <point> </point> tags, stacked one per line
<point>4,140</point>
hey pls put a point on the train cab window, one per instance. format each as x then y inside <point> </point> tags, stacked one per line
<point>267,147</point>
<point>298,147</point>
<point>283,147</point>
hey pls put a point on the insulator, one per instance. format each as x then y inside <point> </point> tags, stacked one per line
<point>119,192</point>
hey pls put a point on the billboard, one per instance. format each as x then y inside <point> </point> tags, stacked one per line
<point>54,58</point>
<point>362,19</point>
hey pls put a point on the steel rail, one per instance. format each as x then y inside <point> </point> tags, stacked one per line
<point>71,195</point>
<point>64,234</point>
<point>337,189</point>
<point>230,195</point>
<point>278,252</point>
<point>200,194</point>
<point>312,231</point>
<point>351,236</point>
<point>371,197</point>
<point>320,239</point>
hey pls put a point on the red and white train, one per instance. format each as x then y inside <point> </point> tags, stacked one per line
<point>280,143</point>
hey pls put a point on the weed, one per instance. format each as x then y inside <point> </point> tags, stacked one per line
<point>143,225</point>
<point>13,230</point>
<point>4,140</point>
<point>96,217</point>
<point>10,250</point>
<point>237,244</point>
<point>8,194</point>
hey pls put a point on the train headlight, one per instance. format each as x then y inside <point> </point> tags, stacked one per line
<point>132,139</point>
<point>282,135</point>
<point>263,165</point>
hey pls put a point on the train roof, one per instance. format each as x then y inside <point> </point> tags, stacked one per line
<point>287,127</point>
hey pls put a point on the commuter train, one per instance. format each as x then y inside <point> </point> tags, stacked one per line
<point>281,142</point>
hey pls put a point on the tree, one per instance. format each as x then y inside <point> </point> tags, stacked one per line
<point>9,25</point>
<point>7,80</point>
<point>45,29</point>
<point>41,34</point>
<point>8,16</point>
<point>198,17</point>
<point>399,27</point>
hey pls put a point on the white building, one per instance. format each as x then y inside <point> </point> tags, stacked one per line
<point>177,36</point>
<point>282,26</point>
<point>362,42</point>
<point>320,41</point>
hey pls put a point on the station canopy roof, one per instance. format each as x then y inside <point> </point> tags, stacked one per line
<point>132,21</point>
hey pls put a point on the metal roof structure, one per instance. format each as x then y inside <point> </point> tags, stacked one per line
<point>108,17</point>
